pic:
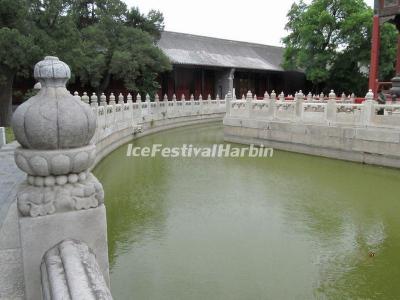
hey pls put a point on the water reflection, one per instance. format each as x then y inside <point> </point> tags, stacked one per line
<point>290,227</point>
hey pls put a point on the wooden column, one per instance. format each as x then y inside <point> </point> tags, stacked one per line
<point>374,66</point>
<point>398,55</point>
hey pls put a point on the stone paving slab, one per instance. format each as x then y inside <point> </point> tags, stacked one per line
<point>10,177</point>
<point>11,270</point>
<point>11,274</point>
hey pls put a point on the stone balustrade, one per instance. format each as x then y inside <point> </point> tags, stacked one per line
<point>330,126</point>
<point>112,116</point>
<point>119,118</point>
<point>331,110</point>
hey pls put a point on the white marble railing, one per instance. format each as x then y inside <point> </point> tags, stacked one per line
<point>334,110</point>
<point>118,115</point>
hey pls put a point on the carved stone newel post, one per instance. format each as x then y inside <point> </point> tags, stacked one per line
<point>60,198</point>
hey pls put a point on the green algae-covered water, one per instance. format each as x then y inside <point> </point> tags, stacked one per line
<point>287,227</point>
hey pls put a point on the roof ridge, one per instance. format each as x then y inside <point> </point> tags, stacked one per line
<point>220,39</point>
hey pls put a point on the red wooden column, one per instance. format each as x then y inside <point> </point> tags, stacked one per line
<point>398,56</point>
<point>374,66</point>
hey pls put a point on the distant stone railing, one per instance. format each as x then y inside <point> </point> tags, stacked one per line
<point>120,114</point>
<point>316,110</point>
<point>116,115</point>
<point>365,132</point>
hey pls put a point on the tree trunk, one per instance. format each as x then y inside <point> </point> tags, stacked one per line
<point>6,99</point>
<point>105,82</point>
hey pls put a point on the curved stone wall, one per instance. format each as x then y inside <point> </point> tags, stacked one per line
<point>119,123</point>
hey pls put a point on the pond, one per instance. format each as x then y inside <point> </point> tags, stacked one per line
<point>288,227</point>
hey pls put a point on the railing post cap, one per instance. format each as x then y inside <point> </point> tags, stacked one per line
<point>370,95</point>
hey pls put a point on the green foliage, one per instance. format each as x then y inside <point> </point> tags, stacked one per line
<point>330,41</point>
<point>100,39</point>
<point>18,48</point>
<point>9,135</point>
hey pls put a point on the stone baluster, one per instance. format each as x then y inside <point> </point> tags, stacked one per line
<point>55,135</point>
<point>94,100</point>
<point>129,99</point>
<point>266,96</point>
<point>282,97</point>
<point>112,99</point>
<point>273,95</point>
<point>85,98</point>
<point>243,97</point>
<point>148,104</point>
<point>157,104</point>
<point>272,105</point>
<point>165,110</point>
<point>174,99</point>
<point>352,98</point>
<point>343,98</point>
<point>249,104</point>
<point>309,97</point>
<point>183,105</point>
<point>174,105</point>
<point>192,107</point>
<point>121,99</point>
<point>228,100</point>
<point>201,103</point>
<point>368,109</point>
<point>331,108</point>
<point>121,102</point>
<point>77,97</point>
<point>140,106</point>
<point>103,100</point>
<point>299,105</point>
<point>321,97</point>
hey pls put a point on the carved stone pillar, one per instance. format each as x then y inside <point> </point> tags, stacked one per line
<point>60,198</point>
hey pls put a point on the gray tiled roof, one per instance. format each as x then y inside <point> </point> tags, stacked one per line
<point>190,49</point>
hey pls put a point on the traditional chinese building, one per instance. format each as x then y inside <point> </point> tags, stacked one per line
<point>205,65</point>
<point>384,11</point>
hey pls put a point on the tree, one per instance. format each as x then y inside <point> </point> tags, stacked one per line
<point>99,39</point>
<point>331,39</point>
<point>120,44</point>
<point>18,51</point>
